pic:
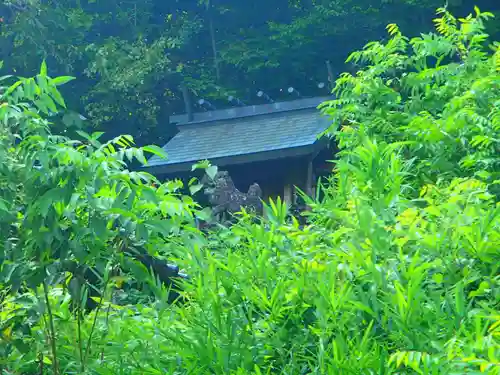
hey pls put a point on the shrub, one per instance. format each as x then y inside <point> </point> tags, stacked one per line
<point>438,93</point>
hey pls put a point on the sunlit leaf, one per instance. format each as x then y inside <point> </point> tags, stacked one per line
<point>43,69</point>
<point>158,151</point>
<point>193,189</point>
<point>211,171</point>
<point>58,81</point>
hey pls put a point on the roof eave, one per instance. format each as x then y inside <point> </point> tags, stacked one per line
<point>240,159</point>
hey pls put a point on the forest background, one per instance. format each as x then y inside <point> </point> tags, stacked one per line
<point>131,56</point>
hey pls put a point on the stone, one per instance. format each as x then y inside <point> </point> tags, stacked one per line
<point>225,198</point>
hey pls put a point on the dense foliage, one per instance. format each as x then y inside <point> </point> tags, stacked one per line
<point>131,56</point>
<point>396,271</point>
<point>441,99</point>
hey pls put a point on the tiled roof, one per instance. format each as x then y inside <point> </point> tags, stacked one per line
<point>247,135</point>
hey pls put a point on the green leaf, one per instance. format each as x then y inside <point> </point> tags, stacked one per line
<point>43,69</point>
<point>58,81</point>
<point>201,165</point>
<point>212,171</point>
<point>30,89</point>
<point>11,89</point>
<point>71,119</point>
<point>99,227</point>
<point>140,272</point>
<point>47,199</point>
<point>193,189</point>
<point>47,100</point>
<point>141,232</point>
<point>56,95</point>
<point>484,287</point>
<point>161,226</point>
<point>22,346</point>
<point>40,104</point>
<point>139,155</point>
<point>42,83</point>
<point>149,194</point>
<point>3,78</point>
<point>204,214</point>
<point>97,135</point>
<point>129,153</point>
<point>91,138</point>
<point>47,360</point>
<point>3,205</point>
<point>158,151</point>
<point>438,278</point>
<point>121,212</point>
<point>460,299</point>
<point>128,138</point>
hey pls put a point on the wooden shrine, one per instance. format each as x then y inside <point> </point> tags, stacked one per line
<point>277,146</point>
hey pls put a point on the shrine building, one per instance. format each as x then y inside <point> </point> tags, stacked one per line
<point>277,145</point>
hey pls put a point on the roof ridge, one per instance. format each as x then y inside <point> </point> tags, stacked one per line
<point>250,118</point>
<point>249,111</point>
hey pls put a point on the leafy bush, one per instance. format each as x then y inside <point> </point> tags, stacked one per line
<point>68,208</point>
<point>439,93</point>
<point>395,273</point>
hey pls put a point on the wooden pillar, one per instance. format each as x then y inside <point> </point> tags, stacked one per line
<point>309,178</point>
<point>331,83</point>
<point>294,177</point>
<point>288,193</point>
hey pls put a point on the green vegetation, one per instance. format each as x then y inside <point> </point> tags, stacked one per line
<point>396,271</point>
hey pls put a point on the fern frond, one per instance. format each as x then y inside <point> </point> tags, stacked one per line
<point>481,141</point>
<point>447,24</point>
<point>495,117</point>
<point>496,58</point>
<point>393,29</point>
<point>411,359</point>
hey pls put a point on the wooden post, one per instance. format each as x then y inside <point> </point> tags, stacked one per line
<point>309,180</point>
<point>288,194</point>
<point>330,75</point>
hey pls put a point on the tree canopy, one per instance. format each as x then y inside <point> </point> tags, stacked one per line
<point>131,56</point>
